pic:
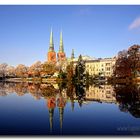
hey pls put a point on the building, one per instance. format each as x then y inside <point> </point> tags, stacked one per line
<point>61,54</point>
<point>95,67</point>
<point>100,67</point>
<point>52,54</point>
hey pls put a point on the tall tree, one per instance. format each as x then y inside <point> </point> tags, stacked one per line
<point>80,70</point>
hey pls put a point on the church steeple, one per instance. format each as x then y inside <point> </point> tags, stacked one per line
<point>51,45</point>
<point>61,48</point>
<point>61,54</point>
<point>51,52</point>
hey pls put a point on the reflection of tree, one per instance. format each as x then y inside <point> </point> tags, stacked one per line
<point>70,93</point>
<point>48,90</point>
<point>21,89</point>
<point>80,93</point>
<point>128,97</point>
<point>61,85</point>
<point>3,90</point>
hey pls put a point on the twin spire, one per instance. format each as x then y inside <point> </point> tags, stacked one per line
<point>51,45</point>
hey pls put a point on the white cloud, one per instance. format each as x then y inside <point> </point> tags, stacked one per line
<point>135,24</point>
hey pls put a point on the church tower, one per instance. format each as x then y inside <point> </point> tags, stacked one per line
<point>72,54</point>
<point>61,55</point>
<point>51,52</point>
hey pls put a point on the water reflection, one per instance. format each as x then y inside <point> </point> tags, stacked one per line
<point>127,97</point>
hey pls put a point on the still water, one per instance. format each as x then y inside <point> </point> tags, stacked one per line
<point>41,109</point>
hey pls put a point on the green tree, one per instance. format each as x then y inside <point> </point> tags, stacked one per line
<point>80,70</point>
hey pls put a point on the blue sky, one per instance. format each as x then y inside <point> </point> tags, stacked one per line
<point>97,31</point>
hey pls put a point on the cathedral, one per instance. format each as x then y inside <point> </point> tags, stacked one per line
<point>52,56</point>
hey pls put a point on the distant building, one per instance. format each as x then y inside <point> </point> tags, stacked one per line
<point>100,67</point>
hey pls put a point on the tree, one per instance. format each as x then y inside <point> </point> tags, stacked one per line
<point>70,72</point>
<point>21,71</point>
<point>122,66</point>
<point>35,69</point>
<point>80,70</point>
<point>3,68</point>
<point>134,59</point>
<point>10,71</point>
<point>48,68</point>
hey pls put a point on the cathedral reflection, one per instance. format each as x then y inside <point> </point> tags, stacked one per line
<point>127,97</point>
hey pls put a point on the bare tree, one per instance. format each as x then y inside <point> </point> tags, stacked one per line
<point>10,71</point>
<point>3,67</point>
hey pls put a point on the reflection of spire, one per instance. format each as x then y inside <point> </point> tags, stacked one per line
<point>61,105</point>
<point>51,105</point>
<point>61,112</point>
<point>51,112</point>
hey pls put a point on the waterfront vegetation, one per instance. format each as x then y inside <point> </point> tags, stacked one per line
<point>125,70</point>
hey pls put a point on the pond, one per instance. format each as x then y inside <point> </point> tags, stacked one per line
<point>44,109</point>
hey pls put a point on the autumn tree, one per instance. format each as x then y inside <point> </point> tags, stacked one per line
<point>21,70</point>
<point>134,59</point>
<point>70,72</point>
<point>35,69</point>
<point>122,66</point>
<point>128,62</point>
<point>48,68</point>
